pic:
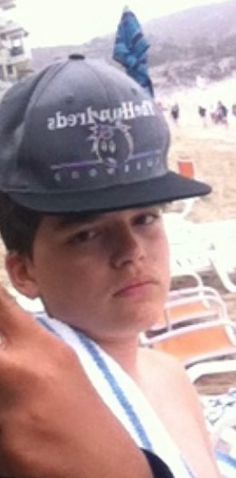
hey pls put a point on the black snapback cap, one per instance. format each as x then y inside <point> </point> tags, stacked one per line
<point>83,136</point>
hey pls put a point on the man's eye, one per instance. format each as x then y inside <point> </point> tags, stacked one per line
<point>83,236</point>
<point>148,218</point>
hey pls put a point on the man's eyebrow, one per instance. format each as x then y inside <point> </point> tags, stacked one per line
<point>74,218</point>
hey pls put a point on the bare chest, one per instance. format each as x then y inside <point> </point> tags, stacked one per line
<point>170,405</point>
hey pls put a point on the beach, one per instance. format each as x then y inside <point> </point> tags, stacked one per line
<point>213,152</point>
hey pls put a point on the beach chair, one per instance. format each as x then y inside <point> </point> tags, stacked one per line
<point>221,236</point>
<point>212,368</point>
<point>195,327</point>
<point>200,248</point>
<point>223,259</point>
<point>189,247</point>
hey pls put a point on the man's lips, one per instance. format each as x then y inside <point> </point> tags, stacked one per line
<point>134,286</point>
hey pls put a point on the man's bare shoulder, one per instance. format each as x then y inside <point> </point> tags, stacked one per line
<point>169,375</point>
<point>160,361</point>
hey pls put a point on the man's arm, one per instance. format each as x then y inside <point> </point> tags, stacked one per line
<point>52,422</point>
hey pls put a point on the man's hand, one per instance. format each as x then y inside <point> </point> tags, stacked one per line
<point>52,422</point>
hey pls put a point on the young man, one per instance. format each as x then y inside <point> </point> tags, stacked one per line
<point>83,174</point>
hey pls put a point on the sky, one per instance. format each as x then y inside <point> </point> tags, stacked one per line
<point>65,22</point>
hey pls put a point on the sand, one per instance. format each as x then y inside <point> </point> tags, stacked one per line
<point>213,152</point>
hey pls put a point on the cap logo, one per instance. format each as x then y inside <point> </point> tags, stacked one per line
<point>126,111</point>
<point>109,144</point>
<point>105,138</point>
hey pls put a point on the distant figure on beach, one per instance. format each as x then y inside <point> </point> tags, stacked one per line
<point>220,115</point>
<point>175,112</point>
<point>234,109</point>
<point>222,111</point>
<point>202,111</point>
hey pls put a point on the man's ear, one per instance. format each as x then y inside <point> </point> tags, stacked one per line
<point>21,272</point>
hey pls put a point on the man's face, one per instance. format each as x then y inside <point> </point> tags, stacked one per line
<point>107,274</point>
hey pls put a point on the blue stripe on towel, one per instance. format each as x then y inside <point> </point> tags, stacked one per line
<point>227,465</point>
<point>118,392</point>
<point>45,323</point>
<point>114,385</point>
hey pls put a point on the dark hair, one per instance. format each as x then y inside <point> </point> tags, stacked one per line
<point>18,225</point>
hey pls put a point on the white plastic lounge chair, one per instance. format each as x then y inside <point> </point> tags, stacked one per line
<point>189,247</point>
<point>195,327</point>
<point>221,236</point>
<point>195,343</point>
<point>223,259</point>
<point>212,367</point>
<point>203,247</point>
<point>188,305</point>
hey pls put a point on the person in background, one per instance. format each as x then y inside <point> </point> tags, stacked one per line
<point>222,113</point>
<point>234,109</point>
<point>202,111</point>
<point>83,180</point>
<point>175,113</point>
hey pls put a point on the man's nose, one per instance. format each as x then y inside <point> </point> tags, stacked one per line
<point>127,247</point>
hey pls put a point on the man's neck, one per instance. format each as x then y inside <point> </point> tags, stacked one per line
<point>125,352</point>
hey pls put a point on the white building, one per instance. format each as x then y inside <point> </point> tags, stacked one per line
<point>15,55</point>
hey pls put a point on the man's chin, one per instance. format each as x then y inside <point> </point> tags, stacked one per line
<point>142,315</point>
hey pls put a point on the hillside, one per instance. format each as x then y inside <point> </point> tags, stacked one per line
<point>197,42</point>
<point>213,22</point>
